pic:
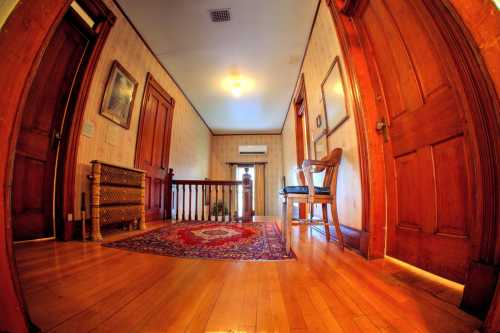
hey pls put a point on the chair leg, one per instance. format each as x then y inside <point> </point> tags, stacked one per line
<point>325,222</point>
<point>335,218</point>
<point>311,211</point>
<point>283,218</point>
<point>288,224</point>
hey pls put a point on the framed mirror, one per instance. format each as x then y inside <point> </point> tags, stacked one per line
<point>334,97</point>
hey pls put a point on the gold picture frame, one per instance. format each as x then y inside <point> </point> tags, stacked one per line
<point>119,95</point>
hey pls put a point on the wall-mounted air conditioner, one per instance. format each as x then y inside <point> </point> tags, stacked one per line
<point>253,150</point>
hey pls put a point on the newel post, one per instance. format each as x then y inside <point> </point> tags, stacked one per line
<point>168,194</point>
<point>247,196</point>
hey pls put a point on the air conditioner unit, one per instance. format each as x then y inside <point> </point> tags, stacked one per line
<point>253,150</point>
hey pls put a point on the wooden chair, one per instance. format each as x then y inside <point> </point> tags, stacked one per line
<point>311,194</point>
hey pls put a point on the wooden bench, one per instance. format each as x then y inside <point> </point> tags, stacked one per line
<point>117,197</point>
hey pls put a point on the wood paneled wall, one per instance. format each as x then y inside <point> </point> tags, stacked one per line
<point>225,149</point>
<point>323,48</point>
<point>114,144</point>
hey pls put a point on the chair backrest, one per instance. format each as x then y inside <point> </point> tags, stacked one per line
<point>330,164</point>
<point>332,171</point>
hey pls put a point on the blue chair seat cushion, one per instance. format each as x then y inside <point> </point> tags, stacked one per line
<point>304,190</point>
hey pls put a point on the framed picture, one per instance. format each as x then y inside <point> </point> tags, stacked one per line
<point>321,146</point>
<point>118,99</point>
<point>334,97</point>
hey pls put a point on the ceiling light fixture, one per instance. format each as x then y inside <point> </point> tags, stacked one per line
<point>237,85</point>
<point>236,90</point>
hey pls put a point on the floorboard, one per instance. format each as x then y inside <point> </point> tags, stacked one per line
<point>83,287</point>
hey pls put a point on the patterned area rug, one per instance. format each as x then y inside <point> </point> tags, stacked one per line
<point>239,241</point>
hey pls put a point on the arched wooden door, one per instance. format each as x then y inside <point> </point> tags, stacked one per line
<point>431,150</point>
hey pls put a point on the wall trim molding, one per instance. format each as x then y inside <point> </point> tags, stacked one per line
<point>353,238</point>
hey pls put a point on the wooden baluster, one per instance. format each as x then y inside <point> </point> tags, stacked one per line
<point>230,197</point>
<point>216,203</point>
<point>209,202</point>
<point>190,196</point>
<point>203,203</point>
<point>237,201</point>
<point>183,201</point>
<point>223,204</point>
<point>177,202</point>
<point>196,203</point>
<point>168,197</point>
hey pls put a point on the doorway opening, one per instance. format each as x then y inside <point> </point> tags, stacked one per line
<point>302,141</point>
<point>240,171</point>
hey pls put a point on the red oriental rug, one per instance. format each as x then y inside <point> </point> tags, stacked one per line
<point>210,240</point>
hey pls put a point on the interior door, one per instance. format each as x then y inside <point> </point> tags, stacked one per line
<point>42,130</point>
<point>428,153</point>
<point>153,145</point>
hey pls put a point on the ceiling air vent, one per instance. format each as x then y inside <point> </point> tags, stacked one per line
<point>220,15</point>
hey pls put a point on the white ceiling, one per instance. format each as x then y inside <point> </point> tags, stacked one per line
<point>264,41</point>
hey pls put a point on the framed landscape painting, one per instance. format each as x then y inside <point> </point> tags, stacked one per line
<point>118,99</point>
<point>334,97</point>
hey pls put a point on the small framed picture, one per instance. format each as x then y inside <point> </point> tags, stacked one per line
<point>118,99</point>
<point>334,97</point>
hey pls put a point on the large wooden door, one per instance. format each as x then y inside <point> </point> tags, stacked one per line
<point>429,156</point>
<point>153,145</point>
<point>45,116</point>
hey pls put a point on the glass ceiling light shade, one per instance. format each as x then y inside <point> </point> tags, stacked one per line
<point>237,85</point>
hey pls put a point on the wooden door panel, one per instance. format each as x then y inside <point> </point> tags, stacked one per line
<point>409,202</point>
<point>147,193</point>
<point>159,139</point>
<point>393,60</point>
<point>429,189</point>
<point>156,195</point>
<point>152,143</point>
<point>147,142</point>
<point>424,57</point>
<point>437,120</point>
<point>34,144</point>
<point>452,189</point>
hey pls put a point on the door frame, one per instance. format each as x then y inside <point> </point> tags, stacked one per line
<point>301,142</point>
<point>35,21</point>
<point>482,97</point>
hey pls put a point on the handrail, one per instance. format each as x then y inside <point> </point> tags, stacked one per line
<point>207,182</point>
<point>192,197</point>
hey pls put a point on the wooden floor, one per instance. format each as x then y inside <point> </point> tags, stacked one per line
<point>81,287</point>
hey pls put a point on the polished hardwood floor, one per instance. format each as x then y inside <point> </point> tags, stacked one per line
<point>82,287</point>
